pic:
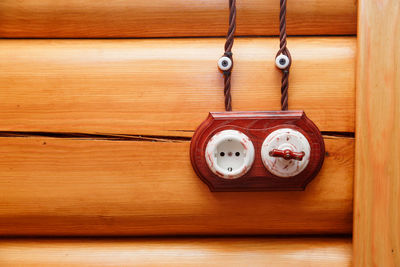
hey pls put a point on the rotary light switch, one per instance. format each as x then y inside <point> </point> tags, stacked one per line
<point>285,152</point>
<point>257,151</point>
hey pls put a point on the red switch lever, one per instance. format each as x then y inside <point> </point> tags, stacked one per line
<point>287,154</point>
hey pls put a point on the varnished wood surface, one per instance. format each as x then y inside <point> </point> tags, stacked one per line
<point>302,252</point>
<point>66,186</point>
<point>377,188</point>
<point>170,18</point>
<point>167,87</point>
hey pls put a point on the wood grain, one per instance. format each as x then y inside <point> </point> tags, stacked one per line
<point>377,191</point>
<point>59,186</point>
<point>170,18</point>
<point>304,252</point>
<point>167,87</point>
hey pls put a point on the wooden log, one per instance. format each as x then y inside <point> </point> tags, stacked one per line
<point>167,87</point>
<point>67,186</point>
<point>377,191</point>
<point>255,252</point>
<point>170,18</point>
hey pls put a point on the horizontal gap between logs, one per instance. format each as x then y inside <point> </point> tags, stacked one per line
<point>129,137</point>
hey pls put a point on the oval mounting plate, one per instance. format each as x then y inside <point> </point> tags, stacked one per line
<point>257,125</point>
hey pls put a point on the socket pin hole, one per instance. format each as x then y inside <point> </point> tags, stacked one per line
<point>230,169</point>
<point>222,154</point>
<point>237,154</point>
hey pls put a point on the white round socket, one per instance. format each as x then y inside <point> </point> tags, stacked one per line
<point>230,154</point>
<point>282,139</point>
<point>224,63</point>
<point>282,61</point>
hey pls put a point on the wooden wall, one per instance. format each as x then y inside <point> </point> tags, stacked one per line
<point>377,191</point>
<point>99,100</point>
<point>305,252</point>
<point>170,18</point>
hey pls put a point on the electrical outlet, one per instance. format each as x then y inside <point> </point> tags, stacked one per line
<point>257,151</point>
<point>229,154</point>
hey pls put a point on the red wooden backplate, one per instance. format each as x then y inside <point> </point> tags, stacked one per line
<point>257,125</point>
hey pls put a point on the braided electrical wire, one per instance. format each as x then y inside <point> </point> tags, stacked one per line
<point>282,50</point>
<point>228,53</point>
<point>285,51</point>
